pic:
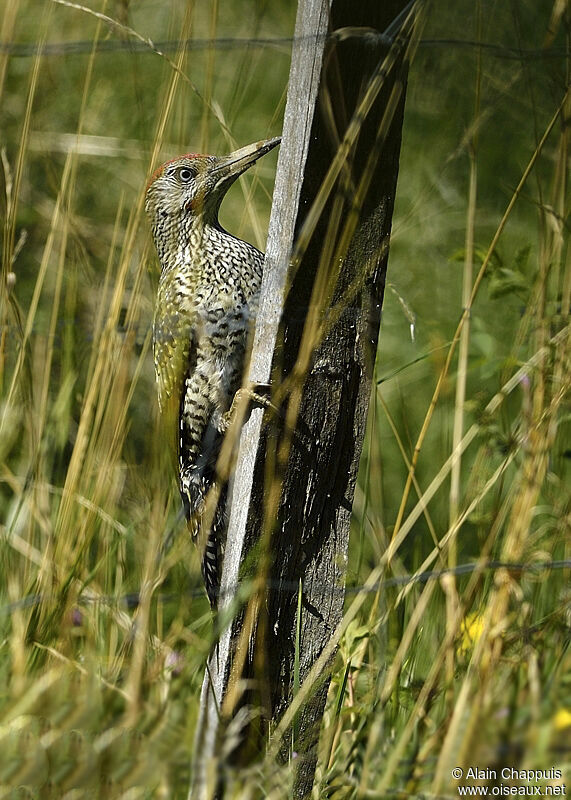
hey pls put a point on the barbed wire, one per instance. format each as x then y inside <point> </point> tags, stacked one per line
<point>82,47</point>
<point>131,599</point>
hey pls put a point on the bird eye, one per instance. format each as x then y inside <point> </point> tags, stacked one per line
<point>185,174</point>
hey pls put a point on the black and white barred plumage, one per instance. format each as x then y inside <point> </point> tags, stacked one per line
<point>207,297</point>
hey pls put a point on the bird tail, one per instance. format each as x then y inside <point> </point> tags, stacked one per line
<point>194,490</point>
<point>213,549</point>
<point>211,568</point>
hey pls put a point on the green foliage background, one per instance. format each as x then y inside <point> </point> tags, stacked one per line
<point>99,692</point>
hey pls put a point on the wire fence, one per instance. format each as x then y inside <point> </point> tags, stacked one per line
<point>83,47</point>
<point>131,600</point>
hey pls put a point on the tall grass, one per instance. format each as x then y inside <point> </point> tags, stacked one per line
<point>466,464</point>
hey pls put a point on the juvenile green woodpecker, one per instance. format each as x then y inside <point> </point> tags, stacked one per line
<point>207,298</point>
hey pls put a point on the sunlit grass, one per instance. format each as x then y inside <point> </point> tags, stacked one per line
<point>103,643</point>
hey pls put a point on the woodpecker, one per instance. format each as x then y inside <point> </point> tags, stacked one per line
<point>207,298</point>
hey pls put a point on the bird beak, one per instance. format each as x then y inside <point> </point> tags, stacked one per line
<point>231,166</point>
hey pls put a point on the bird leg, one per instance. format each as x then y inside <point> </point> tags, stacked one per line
<point>256,394</point>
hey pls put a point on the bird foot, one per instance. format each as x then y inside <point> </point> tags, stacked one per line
<point>257,394</point>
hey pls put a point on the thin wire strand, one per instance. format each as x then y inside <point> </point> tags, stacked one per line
<point>25,50</point>
<point>131,600</point>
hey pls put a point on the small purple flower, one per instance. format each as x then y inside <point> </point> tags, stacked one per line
<point>76,617</point>
<point>174,662</point>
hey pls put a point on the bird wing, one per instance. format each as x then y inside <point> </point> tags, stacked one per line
<point>175,356</point>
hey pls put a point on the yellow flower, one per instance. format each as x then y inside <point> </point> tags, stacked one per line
<point>562,719</point>
<point>471,628</point>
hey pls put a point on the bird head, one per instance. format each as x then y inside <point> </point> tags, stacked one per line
<point>192,187</point>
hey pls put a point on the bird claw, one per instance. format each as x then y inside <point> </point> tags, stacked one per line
<point>256,394</point>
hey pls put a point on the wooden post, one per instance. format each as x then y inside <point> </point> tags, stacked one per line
<point>292,492</point>
<point>309,40</point>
